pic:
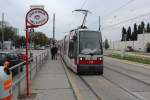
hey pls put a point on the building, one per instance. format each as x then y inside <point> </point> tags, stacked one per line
<point>142,44</point>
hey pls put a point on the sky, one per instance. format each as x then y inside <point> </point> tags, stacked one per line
<point>112,12</point>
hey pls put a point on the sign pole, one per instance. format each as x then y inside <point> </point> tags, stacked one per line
<point>34,18</point>
<point>27,67</point>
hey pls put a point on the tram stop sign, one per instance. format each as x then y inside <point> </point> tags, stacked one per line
<point>37,17</point>
<point>34,18</point>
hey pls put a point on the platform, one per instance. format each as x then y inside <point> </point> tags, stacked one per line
<point>50,83</point>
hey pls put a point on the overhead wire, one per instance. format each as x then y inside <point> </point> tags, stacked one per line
<point>115,10</point>
<point>124,21</point>
<point>83,4</point>
<point>119,8</point>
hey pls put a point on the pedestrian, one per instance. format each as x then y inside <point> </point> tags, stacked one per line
<point>56,51</point>
<point>53,53</point>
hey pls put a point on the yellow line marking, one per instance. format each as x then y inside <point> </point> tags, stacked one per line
<point>130,62</point>
<point>74,86</point>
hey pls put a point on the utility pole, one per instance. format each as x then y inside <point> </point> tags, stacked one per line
<point>99,24</point>
<point>53,28</point>
<point>2,31</point>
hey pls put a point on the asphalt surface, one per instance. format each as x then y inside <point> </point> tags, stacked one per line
<point>132,78</point>
<point>121,81</point>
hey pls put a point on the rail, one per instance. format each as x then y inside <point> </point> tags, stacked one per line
<point>19,80</point>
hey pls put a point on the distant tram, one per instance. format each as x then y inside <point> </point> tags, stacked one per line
<point>82,51</point>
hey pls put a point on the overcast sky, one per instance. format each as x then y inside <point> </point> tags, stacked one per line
<point>15,11</point>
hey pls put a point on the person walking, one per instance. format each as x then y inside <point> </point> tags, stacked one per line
<point>53,53</point>
<point>56,51</point>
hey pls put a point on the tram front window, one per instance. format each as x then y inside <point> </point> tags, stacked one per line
<point>90,42</point>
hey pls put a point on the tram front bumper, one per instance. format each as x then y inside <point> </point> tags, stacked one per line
<point>90,68</point>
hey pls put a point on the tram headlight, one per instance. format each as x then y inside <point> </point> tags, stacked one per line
<point>82,58</point>
<point>99,58</point>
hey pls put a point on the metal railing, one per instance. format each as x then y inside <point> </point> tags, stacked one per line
<point>35,65</point>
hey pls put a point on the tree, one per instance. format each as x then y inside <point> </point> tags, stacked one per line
<point>135,32</point>
<point>40,38</point>
<point>106,45</point>
<point>139,30</point>
<point>128,38</point>
<point>142,27</point>
<point>9,34</point>
<point>148,28</point>
<point>124,32</point>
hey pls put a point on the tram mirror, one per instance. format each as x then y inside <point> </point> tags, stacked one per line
<point>74,38</point>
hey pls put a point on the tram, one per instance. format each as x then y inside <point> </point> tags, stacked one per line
<point>82,51</point>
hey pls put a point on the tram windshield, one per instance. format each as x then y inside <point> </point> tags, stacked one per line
<point>90,42</point>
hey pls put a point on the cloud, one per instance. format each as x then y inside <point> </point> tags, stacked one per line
<point>15,11</point>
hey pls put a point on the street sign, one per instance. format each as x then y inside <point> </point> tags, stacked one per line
<point>37,17</point>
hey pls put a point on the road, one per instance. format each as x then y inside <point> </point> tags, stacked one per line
<point>121,81</point>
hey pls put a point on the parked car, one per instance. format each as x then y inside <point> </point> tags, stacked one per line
<point>12,58</point>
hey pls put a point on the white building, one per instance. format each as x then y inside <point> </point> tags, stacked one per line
<point>142,43</point>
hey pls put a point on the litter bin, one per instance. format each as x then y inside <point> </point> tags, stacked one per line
<point>5,84</point>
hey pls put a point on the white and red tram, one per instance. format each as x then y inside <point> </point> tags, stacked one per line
<point>82,51</point>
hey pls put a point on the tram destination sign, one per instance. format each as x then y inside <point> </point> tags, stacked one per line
<point>37,17</point>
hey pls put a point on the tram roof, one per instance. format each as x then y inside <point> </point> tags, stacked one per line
<point>85,30</point>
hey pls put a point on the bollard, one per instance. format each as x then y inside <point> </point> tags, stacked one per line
<point>5,84</point>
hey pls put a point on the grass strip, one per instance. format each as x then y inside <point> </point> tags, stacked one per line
<point>143,60</point>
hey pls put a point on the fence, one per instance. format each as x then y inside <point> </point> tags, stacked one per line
<point>19,81</point>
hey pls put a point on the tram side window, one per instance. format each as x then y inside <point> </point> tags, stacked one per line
<point>71,49</point>
<point>71,53</point>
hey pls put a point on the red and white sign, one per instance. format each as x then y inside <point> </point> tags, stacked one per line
<point>37,17</point>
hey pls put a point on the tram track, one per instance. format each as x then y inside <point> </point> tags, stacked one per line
<point>95,84</point>
<point>125,74</point>
<point>123,88</point>
<point>131,70</point>
<point>77,93</point>
<point>92,88</point>
<point>98,97</point>
<point>127,89</point>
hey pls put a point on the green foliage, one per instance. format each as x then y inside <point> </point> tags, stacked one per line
<point>128,37</point>
<point>148,28</point>
<point>138,29</point>
<point>106,45</point>
<point>124,32</point>
<point>40,38</point>
<point>9,34</point>
<point>135,32</point>
<point>138,59</point>
<point>142,27</point>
